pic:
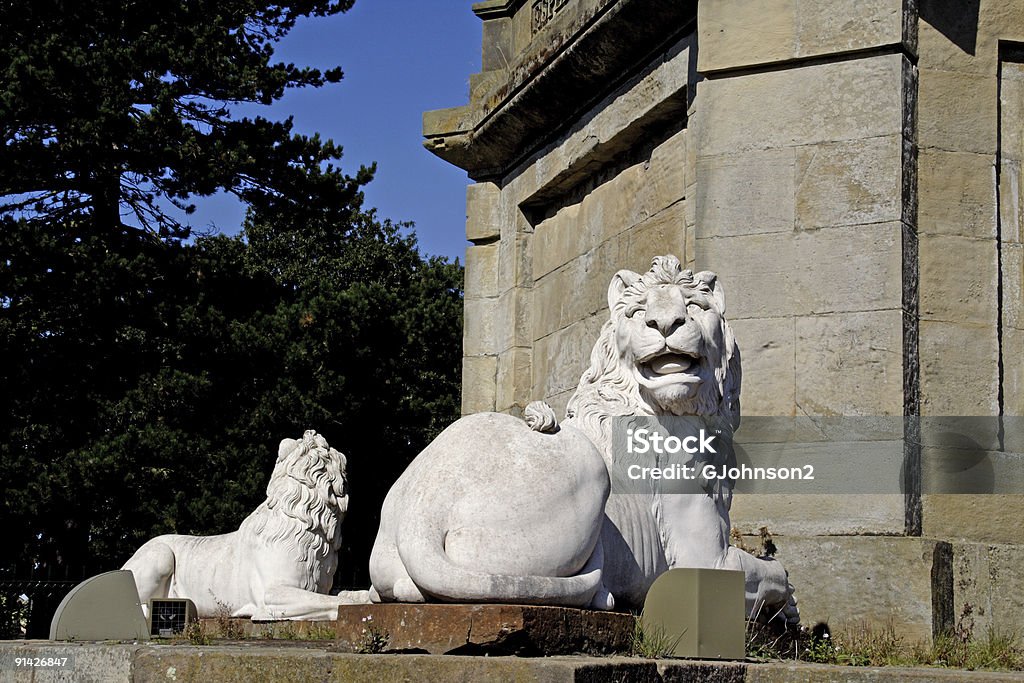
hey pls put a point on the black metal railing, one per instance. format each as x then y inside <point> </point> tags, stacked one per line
<point>30,594</point>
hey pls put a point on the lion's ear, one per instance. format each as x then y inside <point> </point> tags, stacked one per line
<point>717,291</point>
<point>621,281</point>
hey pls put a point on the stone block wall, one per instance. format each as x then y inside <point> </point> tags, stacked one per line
<point>804,134</point>
<point>971,121</point>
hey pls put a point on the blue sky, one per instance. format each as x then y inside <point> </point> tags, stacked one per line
<point>400,58</point>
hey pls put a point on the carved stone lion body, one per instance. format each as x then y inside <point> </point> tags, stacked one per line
<point>280,563</point>
<point>492,512</point>
<point>496,511</point>
<point>667,350</point>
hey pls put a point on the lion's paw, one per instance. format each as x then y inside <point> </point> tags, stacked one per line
<point>355,597</point>
<point>263,615</point>
<point>790,611</point>
<point>602,600</point>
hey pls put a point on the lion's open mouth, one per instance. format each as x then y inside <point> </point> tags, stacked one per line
<point>671,364</point>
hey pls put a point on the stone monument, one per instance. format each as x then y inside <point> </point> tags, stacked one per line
<point>497,510</point>
<point>851,168</point>
<point>280,563</point>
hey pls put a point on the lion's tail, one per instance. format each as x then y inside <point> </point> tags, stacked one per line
<point>421,548</point>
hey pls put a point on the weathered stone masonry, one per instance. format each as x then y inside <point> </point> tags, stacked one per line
<point>850,168</point>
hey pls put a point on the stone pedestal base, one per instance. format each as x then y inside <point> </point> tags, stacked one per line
<point>484,629</point>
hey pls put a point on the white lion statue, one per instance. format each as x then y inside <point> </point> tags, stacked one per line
<point>667,350</point>
<point>280,563</point>
<point>493,511</point>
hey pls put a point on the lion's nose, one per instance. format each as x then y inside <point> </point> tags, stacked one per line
<point>666,324</point>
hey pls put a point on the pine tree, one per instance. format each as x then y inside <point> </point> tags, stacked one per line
<point>113,111</point>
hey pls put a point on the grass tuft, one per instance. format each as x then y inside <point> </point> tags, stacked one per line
<point>865,645</point>
<point>374,640</point>
<point>227,627</point>
<point>195,634</point>
<point>652,642</point>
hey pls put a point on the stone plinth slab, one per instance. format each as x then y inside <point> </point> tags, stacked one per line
<point>486,629</point>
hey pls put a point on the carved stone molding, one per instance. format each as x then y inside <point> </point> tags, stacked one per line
<point>544,11</point>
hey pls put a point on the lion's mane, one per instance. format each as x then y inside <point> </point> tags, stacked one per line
<point>307,497</point>
<point>607,389</point>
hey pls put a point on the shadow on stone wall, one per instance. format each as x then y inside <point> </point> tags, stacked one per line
<point>955,19</point>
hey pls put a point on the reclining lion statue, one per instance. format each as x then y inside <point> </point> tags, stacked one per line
<point>280,563</point>
<point>492,513</point>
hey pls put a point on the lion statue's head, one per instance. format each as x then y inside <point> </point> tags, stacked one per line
<point>665,350</point>
<point>307,498</point>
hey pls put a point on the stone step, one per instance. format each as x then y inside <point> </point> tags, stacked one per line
<point>260,661</point>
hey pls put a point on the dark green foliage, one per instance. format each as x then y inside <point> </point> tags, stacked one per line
<point>146,380</point>
<point>147,384</point>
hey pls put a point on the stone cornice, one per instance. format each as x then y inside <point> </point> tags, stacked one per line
<point>496,9</point>
<point>568,66</point>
